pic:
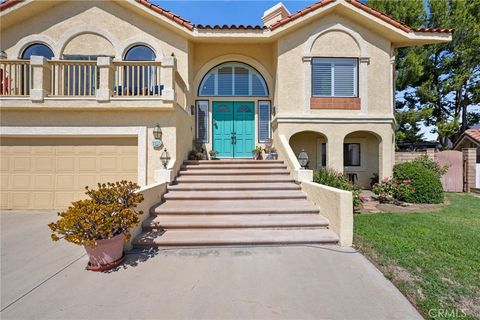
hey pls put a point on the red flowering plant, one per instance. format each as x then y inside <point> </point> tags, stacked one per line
<point>391,189</point>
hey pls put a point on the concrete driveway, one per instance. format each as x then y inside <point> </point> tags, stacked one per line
<point>45,280</point>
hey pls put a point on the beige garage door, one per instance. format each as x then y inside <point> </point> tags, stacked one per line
<point>50,173</point>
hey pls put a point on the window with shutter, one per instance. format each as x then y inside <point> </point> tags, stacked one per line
<point>334,77</point>
<point>264,130</point>
<point>201,121</point>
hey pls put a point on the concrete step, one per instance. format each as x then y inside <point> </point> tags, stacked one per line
<point>233,172</point>
<point>234,186</point>
<point>232,161</point>
<point>253,165</point>
<point>235,221</point>
<point>257,206</point>
<point>257,236</point>
<point>235,179</point>
<point>238,195</point>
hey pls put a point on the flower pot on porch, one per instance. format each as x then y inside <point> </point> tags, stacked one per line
<point>107,253</point>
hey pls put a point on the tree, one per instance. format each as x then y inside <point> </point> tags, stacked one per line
<point>442,78</point>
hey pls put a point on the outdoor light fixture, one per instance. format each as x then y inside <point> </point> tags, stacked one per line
<point>157,132</point>
<point>303,158</point>
<point>274,110</point>
<point>268,144</point>
<point>192,110</point>
<point>165,158</point>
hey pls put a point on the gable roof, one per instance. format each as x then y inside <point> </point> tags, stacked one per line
<point>190,26</point>
<point>470,134</point>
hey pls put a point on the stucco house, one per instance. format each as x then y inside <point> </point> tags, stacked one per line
<point>85,83</point>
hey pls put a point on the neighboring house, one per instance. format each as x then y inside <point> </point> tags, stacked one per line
<point>469,139</point>
<point>84,83</point>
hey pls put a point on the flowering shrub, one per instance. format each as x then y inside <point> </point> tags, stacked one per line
<point>332,178</point>
<point>431,165</point>
<point>390,189</point>
<point>109,211</point>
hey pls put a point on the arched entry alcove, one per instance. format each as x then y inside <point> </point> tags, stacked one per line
<point>314,143</point>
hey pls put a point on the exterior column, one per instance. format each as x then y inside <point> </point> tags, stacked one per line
<point>307,71</point>
<point>40,73</point>
<point>105,71</point>
<point>167,77</point>
<point>335,153</point>
<point>363,83</point>
<point>469,168</point>
<point>386,159</point>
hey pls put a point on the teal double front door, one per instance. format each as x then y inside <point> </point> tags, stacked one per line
<point>233,128</point>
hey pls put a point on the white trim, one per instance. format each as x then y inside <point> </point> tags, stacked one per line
<point>139,132</point>
<point>335,26</point>
<point>84,29</point>
<point>32,39</point>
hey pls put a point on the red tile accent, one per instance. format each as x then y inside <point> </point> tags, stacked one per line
<point>8,3</point>
<point>335,103</point>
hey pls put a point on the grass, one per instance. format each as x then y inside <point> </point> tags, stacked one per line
<point>432,257</point>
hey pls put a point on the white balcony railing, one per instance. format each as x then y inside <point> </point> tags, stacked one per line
<point>73,78</point>
<point>137,78</point>
<point>15,78</point>
<point>39,78</point>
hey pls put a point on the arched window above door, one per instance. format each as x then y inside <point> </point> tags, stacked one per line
<point>140,53</point>
<point>37,49</point>
<point>233,79</point>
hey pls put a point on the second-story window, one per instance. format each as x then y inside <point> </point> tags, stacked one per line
<point>334,77</point>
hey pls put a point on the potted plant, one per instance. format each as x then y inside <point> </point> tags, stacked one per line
<point>273,153</point>
<point>195,155</point>
<point>213,154</point>
<point>101,223</point>
<point>257,153</point>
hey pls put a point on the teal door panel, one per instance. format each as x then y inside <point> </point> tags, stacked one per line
<point>244,128</point>
<point>222,114</point>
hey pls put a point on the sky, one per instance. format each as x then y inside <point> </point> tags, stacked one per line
<point>226,12</point>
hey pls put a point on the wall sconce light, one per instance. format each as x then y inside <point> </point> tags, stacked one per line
<point>165,158</point>
<point>303,159</point>
<point>192,110</point>
<point>157,132</point>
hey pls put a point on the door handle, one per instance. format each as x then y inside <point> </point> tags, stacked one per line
<point>234,138</point>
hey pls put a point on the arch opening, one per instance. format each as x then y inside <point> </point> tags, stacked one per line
<point>37,49</point>
<point>314,144</point>
<point>361,157</point>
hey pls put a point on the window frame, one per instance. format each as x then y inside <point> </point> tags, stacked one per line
<point>332,60</point>
<point>34,44</point>
<point>269,102</point>
<point>232,64</point>
<point>124,57</point>
<point>197,104</point>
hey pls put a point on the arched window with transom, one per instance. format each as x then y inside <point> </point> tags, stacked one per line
<point>140,78</point>
<point>233,79</point>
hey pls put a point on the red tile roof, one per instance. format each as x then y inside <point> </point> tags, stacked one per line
<point>473,134</point>
<point>190,26</point>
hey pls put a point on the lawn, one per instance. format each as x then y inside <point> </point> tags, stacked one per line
<point>432,257</point>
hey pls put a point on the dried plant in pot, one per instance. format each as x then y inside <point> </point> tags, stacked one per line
<point>101,223</point>
<point>213,154</point>
<point>257,153</point>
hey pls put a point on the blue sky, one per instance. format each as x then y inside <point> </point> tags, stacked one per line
<point>226,12</point>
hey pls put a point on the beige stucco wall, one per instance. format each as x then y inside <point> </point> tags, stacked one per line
<point>119,25</point>
<point>330,36</point>
<point>377,140</point>
<point>177,127</point>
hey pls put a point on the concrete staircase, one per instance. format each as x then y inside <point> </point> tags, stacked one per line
<point>234,202</point>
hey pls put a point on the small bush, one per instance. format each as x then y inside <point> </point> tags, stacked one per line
<point>389,190</point>
<point>426,181</point>
<point>332,178</point>
<point>431,165</point>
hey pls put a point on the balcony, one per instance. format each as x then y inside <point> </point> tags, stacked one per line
<point>74,82</point>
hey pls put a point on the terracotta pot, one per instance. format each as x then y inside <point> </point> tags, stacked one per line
<point>107,252</point>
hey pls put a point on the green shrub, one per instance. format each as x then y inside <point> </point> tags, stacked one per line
<point>427,184</point>
<point>432,165</point>
<point>332,178</point>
